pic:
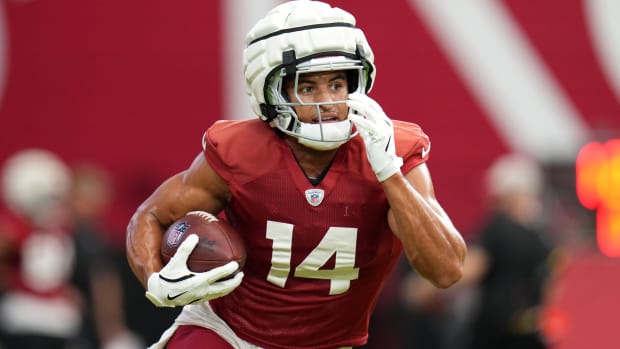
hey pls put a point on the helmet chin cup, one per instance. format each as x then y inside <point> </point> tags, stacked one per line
<point>318,145</point>
<point>325,136</point>
<point>318,136</point>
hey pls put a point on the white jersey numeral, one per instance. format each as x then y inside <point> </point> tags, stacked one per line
<point>338,241</point>
<point>282,236</point>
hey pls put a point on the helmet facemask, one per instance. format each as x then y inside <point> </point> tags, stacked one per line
<point>319,135</point>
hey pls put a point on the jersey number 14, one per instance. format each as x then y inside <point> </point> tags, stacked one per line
<point>340,241</point>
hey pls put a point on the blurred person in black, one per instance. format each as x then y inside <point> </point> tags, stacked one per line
<point>96,273</point>
<point>116,314</point>
<point>496,303</point>
<point>511,258</point>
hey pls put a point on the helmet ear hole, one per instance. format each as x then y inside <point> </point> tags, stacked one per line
<point>287,80</point>
<point>352,80</point>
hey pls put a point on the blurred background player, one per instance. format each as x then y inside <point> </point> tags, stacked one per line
<point>60,288</point>
<point>325,188</point>
<point>39,307</point>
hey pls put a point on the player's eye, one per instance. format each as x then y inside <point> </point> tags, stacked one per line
<point>339,85</point>
<point>305,89</point>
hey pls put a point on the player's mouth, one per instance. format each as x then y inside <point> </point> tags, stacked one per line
<point>326,118</point>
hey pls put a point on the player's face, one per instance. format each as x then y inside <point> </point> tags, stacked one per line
<point>321,87</point>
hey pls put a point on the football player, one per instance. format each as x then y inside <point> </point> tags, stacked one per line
<point>325,188</point>
<point>38,303</point>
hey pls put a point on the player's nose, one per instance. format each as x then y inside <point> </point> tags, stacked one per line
<point>325,94</point>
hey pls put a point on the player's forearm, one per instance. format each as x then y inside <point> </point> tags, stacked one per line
<point>143,246</point>
<point>431,242</point>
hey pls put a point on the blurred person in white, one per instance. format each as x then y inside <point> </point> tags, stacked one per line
<point>510,261</point>
<point>39,308</point>
<point>96,273</point>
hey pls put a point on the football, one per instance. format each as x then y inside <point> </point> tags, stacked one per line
<point>218,244</point>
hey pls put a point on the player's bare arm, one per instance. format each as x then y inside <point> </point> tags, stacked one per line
<point>432,244</point>
<point>197,188</point>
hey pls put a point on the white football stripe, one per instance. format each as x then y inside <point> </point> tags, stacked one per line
<point>603,19</point>
<point>525,104</point>
<point>239,16</point>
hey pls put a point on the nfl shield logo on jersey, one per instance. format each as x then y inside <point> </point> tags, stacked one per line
<point>314,196</point>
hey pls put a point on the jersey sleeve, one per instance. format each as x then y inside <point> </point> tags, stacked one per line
<point>211,149</point>
<point>234,148</point>
<point>412,144</point>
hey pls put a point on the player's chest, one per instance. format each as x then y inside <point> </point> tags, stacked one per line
<point>346,221</point>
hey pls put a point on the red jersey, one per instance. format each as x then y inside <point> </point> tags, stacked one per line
<point>39,260</point>
<point>317,256</point>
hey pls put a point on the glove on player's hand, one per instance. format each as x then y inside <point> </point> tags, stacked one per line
<point>175,285</point>
<point>377,131</point>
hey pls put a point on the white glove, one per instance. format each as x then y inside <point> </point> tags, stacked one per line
<point>175,285</point>
<point>377,131</point>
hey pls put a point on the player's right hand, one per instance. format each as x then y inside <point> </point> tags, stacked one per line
<point>175,285</point>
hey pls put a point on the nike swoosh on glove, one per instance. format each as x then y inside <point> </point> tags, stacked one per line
<point>175,285</point>
<point>377,131</point>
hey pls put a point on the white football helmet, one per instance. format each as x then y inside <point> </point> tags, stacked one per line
<point>300,37</point>
<point>34,181</point>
